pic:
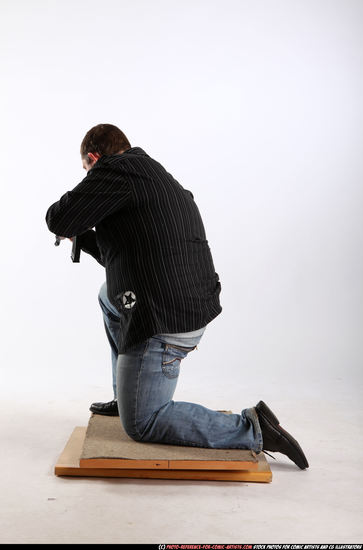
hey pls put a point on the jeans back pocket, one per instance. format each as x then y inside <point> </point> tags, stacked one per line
<point>171,358</point>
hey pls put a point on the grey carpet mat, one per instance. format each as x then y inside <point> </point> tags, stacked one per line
<point>106,438</point>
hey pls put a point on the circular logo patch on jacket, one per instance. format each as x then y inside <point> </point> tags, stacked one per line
<point>128,299</point>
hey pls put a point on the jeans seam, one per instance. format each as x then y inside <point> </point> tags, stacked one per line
<point>137,387</point>
<point>251,414</point>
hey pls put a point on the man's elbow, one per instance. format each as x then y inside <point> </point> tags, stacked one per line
<point>57,227</point>
<point>49,221</point>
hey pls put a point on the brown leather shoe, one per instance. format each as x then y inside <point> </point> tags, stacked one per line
<point>276,439</point>
<point>108,409</point>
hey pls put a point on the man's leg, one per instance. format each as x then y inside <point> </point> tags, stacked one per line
<point>146,379</point>
<point>111,320</point>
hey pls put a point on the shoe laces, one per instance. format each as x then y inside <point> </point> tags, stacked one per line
<point>268,454</point>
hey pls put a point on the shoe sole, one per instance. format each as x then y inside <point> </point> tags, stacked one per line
<point>104,413</point>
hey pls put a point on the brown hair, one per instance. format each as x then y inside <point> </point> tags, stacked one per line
<point>104,139</point>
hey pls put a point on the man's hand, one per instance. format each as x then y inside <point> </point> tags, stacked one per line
<point>58,239</point>
<point>61,238</point>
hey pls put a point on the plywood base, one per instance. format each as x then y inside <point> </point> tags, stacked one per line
<point>69,465</point>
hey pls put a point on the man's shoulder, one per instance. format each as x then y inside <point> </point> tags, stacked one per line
<point>133,152</point>
<point>121,162</point>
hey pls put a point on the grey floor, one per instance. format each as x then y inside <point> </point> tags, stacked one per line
<point>320,505</point>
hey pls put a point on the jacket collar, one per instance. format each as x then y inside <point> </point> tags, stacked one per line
<point>134,151</point>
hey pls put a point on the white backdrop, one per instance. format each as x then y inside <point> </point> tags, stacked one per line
<point>256,107</point>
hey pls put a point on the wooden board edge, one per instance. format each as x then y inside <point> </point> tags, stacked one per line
<point>73,448</point>
<point>123,463</point>
<point>207,475</point>
<point>129,464</point>
<point>68,465</point>
<point>213,465</point>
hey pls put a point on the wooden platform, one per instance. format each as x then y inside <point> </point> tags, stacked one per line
<point>173,462</point>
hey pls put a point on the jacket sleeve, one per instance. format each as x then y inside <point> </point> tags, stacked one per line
<point>101,193</point>
<point>88,243</point>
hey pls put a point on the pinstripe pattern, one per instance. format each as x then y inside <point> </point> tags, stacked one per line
<point>151,240</point>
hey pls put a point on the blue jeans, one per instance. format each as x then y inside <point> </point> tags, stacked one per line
<point>144,381</point>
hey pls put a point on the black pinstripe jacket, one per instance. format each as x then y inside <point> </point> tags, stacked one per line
<point>150,237</point>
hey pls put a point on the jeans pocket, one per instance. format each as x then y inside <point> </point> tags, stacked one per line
<point>171,358</point>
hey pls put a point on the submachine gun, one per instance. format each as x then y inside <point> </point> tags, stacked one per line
<point>76,248</point>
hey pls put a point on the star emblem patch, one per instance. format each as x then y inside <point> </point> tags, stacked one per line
<point>128,299</point>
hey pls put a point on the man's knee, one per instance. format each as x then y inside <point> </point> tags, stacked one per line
<point>136,436</point>
<point>135,430</point>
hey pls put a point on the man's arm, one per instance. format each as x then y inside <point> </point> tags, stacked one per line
<point>88,243</point>
<point>101,193</point>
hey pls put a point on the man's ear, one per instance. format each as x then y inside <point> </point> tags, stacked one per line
<point>93,156</point>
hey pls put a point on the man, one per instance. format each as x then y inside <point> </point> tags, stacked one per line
<point>161,292</point>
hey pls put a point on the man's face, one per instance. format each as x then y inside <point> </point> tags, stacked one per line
<point>85,164</point>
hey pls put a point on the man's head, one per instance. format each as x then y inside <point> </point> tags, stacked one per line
<point>103,139</point>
